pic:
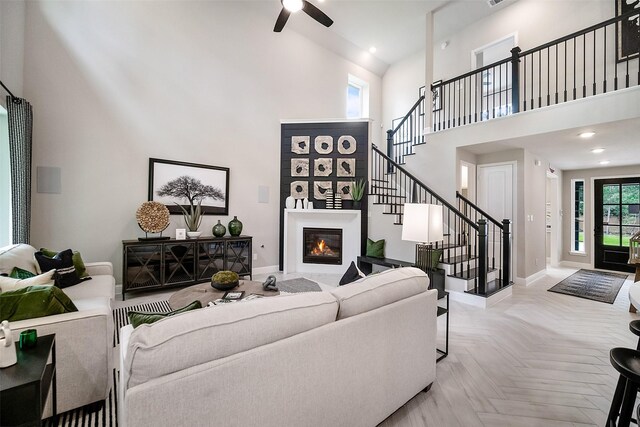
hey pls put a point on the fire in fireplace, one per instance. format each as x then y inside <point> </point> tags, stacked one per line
<point>322,246</point>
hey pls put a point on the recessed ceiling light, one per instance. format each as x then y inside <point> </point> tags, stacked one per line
<point>597,150</point>
<point>372,49</point>
<point>605,162</point>
<point>587,134</point>
<point>292,5</point>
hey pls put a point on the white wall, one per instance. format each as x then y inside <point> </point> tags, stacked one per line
<point>588,175</point>
<point>114,83</point>
<point>535,21</point>
<point>12,17</point>
<point>400,86</point>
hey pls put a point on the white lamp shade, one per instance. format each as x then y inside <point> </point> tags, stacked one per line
<point>422,223</point>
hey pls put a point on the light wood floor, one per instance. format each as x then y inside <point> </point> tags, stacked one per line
<point>535,359</point>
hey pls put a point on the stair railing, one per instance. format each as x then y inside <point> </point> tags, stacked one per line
<point>498,236</point>
<point>462,237</point>
<point>588,62</point>
<point>407,132</point>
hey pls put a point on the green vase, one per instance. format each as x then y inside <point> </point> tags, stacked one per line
<point>219,230</point>
<point>235,226</point>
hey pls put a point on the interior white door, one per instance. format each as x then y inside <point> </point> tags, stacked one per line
<point>495,196</point>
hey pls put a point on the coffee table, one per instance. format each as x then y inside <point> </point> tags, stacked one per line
<point>205,293</point>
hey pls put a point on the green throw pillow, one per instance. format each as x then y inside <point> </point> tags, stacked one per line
<point>34,301</point>
<point>19,273</point>
<point>375,249</point>
<point>78,263</point>
<point>435,258</point>
<point>137,318</point>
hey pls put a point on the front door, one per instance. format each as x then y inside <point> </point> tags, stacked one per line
<point>617,218</point>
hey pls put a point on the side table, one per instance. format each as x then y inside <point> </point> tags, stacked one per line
<point>24,387</point>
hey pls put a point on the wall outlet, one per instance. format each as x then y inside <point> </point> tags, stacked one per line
<point>255,257</point>
<point>536,261</point>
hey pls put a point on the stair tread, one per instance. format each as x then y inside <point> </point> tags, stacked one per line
<point>492,288</point>
<point>457,259</point>
<point>473,272</point>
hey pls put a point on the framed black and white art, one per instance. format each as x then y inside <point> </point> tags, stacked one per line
<point>172,182</point>
<point>627,30</point>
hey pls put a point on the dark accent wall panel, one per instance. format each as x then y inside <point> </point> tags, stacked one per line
<point>341,164</point>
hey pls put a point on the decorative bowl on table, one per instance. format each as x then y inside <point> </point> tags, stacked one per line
<point>194,234</point>
<point>225,280</point>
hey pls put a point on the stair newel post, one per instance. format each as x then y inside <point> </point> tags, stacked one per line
<point>506,251</point>
<point>483,247</point>
<point>389,149</point>
<point>515,79</point>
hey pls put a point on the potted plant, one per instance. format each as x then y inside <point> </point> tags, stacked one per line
<point>225,280</point>
<point>192,218</point>
<point>357,193</point>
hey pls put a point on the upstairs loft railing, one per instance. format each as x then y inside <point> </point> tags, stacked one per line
<point>465,241</point>
<point>408,131</point>
<point>586,63</point>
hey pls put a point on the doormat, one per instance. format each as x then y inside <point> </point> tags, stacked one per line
<point>594,285</point>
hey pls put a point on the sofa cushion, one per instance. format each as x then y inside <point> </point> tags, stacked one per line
<point>10,284</point>
<point>212,333</point>
<point>18,273</point>
<point>34,301</point>
<point>379,289</point>
<point>352,274</point>
<point>375,249</point>
<point>20,256</point>
<point>98,286</point>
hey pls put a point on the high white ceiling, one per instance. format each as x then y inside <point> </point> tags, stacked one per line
<point>397,28</point>
<point>567,151</point>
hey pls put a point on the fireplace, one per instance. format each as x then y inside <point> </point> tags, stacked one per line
<point>322,246</point>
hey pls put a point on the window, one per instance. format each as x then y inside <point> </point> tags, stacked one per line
<point>577,216</point>
<point>5,181</point>
<point>357,98</point>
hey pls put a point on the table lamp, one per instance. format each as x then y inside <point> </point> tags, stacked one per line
<point>422,223</point>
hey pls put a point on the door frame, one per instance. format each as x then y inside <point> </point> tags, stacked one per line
<point>514,209</point>
<point>556,222</point>
<point>592,214</point>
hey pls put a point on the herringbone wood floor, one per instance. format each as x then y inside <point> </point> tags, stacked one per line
<point>535,359</point>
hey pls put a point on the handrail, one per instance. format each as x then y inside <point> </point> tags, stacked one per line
<point>432,193</point>
<point>582,32</point>
<point>483,213</point>
<point>471,73</point>
<point>406,117</point>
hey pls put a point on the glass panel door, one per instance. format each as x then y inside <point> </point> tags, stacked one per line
<point>617,218</point>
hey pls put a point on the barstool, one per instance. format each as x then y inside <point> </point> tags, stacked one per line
<point>634,326</point>
<point>627,362</point>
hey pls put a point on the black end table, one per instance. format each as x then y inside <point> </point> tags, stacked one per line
<point>24,387</point>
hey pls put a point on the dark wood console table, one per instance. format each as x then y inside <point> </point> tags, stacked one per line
<point>148,265</point>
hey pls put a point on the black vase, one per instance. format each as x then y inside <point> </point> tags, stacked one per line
<point>235,226</point>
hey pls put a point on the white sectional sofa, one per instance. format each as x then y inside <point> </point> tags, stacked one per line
<point>348,357</point>
<point>84,339</point>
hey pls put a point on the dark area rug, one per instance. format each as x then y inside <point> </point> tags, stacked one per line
<point>594,285</point>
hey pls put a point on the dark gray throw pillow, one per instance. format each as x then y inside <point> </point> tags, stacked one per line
<point>62,262</point>
<point>351,275</point>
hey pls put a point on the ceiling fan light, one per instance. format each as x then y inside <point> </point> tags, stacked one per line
<point>292,5</point>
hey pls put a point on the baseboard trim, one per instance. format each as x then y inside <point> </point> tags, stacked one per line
<point>574,264</point>
<point>522,281</point>
<point>266,270</point>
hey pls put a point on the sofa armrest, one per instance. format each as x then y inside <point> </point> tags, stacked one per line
<point>99,268</point>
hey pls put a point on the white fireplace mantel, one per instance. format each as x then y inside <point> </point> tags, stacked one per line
<point>295,220</point>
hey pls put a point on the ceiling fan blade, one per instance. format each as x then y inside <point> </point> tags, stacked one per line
<point>282,19</point>
<point>316,14</point>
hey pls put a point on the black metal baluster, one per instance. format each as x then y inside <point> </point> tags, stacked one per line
<point>565,71</point>
<point>604,63</point>
<point>525,83</point>
<point>493,87</point>
<point>584,65</point>
<point>533,105</point>
<point>594,62</point>
<point>556,97</point>
<point>575,40</point>
<point>539,78</point>
<point>548,79</point>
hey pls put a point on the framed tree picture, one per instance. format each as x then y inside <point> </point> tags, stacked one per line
<point>187,184</point>
<point>627,30</point>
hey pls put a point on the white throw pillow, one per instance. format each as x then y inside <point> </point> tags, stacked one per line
<point>20,256</point>
<point>11,284</point>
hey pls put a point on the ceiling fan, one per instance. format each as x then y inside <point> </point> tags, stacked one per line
<point>293,6</point>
